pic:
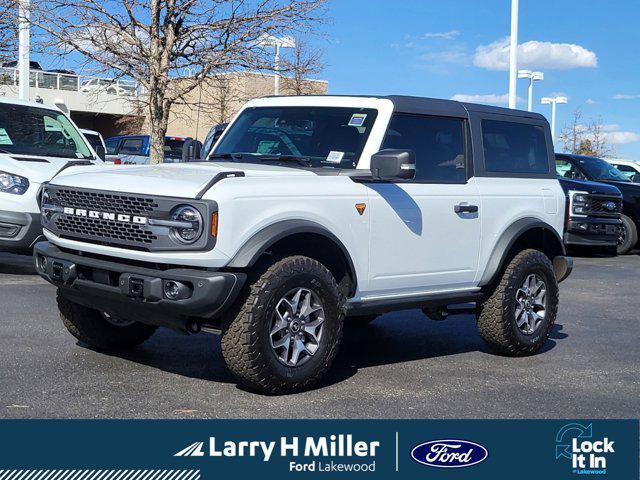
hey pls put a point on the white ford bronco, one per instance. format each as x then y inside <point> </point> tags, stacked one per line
<point>308,213</point>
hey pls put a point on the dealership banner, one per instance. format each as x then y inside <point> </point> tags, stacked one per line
<point>376,449</point>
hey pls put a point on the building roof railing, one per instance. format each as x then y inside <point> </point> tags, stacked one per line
<point>72,83</point>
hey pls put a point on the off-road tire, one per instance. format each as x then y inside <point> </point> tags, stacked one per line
<point>631,236</point>
<point>496,317</point>
<point>245,339</point>
<point>91,328</point>
<point>360,320</point>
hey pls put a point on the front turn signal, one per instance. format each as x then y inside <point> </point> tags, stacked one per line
<point>214,224</point>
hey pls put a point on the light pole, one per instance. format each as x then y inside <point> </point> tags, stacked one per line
<point>553,101</point>
<point>277,43</point>
<point>24,7</point>
<point>513,54</point>
<point>533,77</point>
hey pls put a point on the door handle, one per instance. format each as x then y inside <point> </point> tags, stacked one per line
<point>463,208</point>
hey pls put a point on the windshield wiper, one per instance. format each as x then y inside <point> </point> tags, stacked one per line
<point>304,161</point>
<point>5,151</point>
<point>226,156</point>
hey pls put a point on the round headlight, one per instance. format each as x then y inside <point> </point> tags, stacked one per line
<point>193,224</point>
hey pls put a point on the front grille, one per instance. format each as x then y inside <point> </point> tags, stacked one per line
<point>122,220</point>
<point>597,206</point>
<point>117,231</point>
<point>109,202</point>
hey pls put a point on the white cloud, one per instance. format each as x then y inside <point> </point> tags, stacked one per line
<point>535,54</point>
<point>450,35</point>
<point>621,138</point>
<point>489,98</point>
<point>623,96</point>
<point>590,101</point>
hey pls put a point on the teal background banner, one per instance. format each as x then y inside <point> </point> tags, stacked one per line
<point>377,449</point>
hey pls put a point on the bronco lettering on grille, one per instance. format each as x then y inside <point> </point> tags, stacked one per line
<point>119,217</point>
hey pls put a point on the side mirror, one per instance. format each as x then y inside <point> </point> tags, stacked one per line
<point>191,150</point>
<point>391,164</point>
<point>101,152</point>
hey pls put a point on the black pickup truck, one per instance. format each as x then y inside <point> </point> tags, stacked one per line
<point>581,167</point>
<point>593,214</point>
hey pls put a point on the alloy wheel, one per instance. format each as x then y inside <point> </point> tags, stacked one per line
<point>531,304</point>
<point>297,327</point>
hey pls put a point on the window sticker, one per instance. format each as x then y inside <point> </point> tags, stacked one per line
<point>357,119</point>
<point>335,157</point>
<point>266,147</point>
<point>52,125</point>
<point>4,137</point>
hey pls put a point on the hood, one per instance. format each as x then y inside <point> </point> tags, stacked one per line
<point>36,168</point>
<point>624,187</point>
<point>169,179</point>
<point>587,186</point>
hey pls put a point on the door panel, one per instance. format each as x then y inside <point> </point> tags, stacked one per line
<point>418,242</point>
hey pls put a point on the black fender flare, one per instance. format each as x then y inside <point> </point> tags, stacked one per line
<point>506,241</point>
<point>260,242</point>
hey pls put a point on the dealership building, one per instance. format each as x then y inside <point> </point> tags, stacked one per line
<point>116,106</point>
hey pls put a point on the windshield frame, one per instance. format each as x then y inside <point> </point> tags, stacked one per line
<point>384,107</point>
<point>88,153</point>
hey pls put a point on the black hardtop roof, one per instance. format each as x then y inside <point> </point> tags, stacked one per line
<point>408,104</point>
<point>438,106</point>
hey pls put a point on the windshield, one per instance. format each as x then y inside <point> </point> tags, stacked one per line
<point>598,169</point>
<point>322,136</point>
<point>173,147</point>
<point>93,139</point>
<point>37,131</point>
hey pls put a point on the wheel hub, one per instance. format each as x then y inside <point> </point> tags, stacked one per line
<point>531,304</point>
<point>297,326</point>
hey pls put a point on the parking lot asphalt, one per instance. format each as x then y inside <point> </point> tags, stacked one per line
<point>401,366</point>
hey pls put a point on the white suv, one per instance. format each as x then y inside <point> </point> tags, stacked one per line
<point>36,143</point>
<point>310,210</point>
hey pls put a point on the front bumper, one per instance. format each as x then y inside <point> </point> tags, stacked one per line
<point>19,231</point>
<point>595,232</point>
<point>138,292</point>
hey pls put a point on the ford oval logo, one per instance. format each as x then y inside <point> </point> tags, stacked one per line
<point>449,453</point>
<point>611,206</point>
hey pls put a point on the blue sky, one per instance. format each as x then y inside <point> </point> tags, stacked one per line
<point>587,49</point>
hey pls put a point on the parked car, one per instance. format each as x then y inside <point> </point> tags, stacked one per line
<point>310,209</point>
<point>593,214</point>
<point>134,149</point>
<point>36,143</point>
<point>210,140</point>
<point>96,141</point>
<point>629,168</point>
<point>594,169</point>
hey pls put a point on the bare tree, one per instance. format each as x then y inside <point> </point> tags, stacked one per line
<point>572,134</point>
<point>8,30</point>
<point>154,42</point>
<point>305,62</point>
<point>599,142</point>
<point>585,139</point>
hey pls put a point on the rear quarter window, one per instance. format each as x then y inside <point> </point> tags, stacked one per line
<point>512,147</point>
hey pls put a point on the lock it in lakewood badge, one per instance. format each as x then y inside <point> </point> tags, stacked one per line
<point>588,454</point>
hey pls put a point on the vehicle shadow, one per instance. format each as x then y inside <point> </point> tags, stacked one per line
<point>407,336</point>
<point>394,338</point>
<point>16,264</point>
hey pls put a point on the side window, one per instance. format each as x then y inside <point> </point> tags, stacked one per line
<point>437,142</point>
<point>131,146</point>
<point>566,169</point>
<point>627,170</point>
<point>511,147</point>
<point>112,145</point>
